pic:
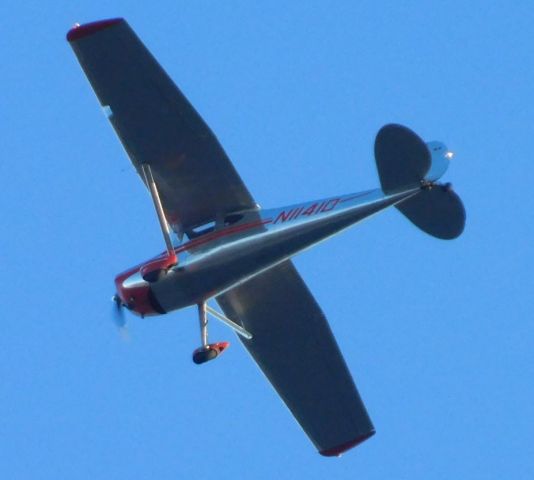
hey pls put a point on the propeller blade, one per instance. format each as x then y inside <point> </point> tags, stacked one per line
<point>118,316</point>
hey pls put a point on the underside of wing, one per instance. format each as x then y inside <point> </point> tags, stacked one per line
<point>294,347</point>
<point>158,126</point>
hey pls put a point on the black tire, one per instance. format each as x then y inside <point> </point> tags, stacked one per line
<point>203,356</point>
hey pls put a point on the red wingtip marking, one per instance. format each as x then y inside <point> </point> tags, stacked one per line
<point>80,31</point>
<point>337,451</point>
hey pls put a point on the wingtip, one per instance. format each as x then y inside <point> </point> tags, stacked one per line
<point>79,31</point>
<point>338,450</point>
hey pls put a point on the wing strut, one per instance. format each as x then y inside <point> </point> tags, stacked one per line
<point>234,326</point>
<point>147,172</point>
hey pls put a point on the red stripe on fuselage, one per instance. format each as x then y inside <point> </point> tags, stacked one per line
<point>353,197</point>
<point>208,237</point>
<point>195,243</point>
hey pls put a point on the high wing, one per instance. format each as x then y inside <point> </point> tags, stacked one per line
<point>293,345</point>
<point>158,126</point>
<point>292,341</point>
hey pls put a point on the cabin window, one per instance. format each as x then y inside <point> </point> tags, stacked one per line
<point>201,230</point>
<point>231,219</point>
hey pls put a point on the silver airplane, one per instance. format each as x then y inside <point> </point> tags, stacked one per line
<point>221,245</point>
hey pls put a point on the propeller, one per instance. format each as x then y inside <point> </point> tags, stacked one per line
<point>118,316</point>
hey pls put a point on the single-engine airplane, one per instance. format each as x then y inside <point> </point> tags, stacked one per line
<point>221,245</point>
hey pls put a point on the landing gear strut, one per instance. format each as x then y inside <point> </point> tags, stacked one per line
<point>207,351</point>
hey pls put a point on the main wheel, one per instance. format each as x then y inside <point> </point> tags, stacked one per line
<point>203,355</point>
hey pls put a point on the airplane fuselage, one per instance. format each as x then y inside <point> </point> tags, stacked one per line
<point>231,254</point>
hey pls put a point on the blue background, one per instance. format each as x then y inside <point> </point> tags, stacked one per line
<point>438,335</point>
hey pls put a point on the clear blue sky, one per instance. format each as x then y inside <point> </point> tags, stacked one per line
<point>439,335</point>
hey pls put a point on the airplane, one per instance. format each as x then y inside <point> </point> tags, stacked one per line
<point>221,245</point>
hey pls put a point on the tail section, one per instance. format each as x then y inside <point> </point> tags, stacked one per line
<point>405,161</point>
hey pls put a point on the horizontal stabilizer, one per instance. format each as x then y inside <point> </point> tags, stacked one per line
<point>437,211</point>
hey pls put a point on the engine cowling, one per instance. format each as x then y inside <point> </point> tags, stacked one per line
<point>136,294</point>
